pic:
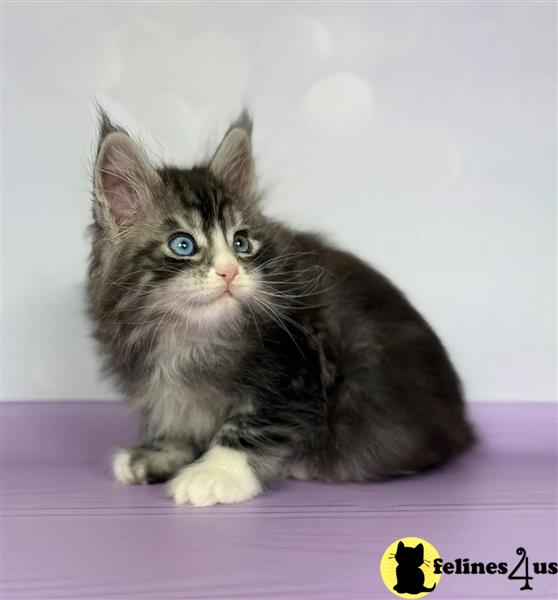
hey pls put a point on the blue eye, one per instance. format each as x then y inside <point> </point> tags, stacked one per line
<point>183,244</point>
<point>241,243</point>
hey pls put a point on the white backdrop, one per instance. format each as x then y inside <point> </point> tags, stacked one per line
<point>420,135</point>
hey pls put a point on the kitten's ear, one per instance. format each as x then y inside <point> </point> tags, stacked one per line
<point>400,546</point>
<point>233,162</point>
<point>420,550</point>
<point>124,178</point>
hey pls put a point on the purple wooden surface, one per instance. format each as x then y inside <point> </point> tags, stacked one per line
<point>70,532</point>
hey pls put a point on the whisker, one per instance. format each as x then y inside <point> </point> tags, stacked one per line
<point>273,314</point>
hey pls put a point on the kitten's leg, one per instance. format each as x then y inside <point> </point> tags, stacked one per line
<point>247,454</point>
<point>152,462</point>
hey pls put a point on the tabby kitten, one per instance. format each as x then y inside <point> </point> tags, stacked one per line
<point>253,351</point>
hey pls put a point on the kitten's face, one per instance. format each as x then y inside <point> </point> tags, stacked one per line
<point>182,246</point>
<point>198,253</point>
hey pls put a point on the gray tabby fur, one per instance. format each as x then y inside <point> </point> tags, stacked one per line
<point>316,367</point>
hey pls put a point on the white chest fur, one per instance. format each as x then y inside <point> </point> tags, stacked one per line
<point>178,408</point>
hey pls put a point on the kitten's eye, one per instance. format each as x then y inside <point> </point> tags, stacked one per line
<point>183,244</point>
<point>241,243</point>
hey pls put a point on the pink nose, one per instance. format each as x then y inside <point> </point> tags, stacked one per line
<point>227,272</point>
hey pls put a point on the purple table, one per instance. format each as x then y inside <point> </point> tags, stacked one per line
<point>70,532</point>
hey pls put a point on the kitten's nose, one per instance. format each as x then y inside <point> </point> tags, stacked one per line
<point>228,272</point>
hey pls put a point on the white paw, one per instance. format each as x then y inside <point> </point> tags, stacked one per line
<point>127,472</point>
<point>222,475</point>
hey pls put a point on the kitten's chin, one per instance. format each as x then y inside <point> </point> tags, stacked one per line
<point>223,297</point>
<point>225,305</point>
<point>220,315</point>
<point>211,315</point>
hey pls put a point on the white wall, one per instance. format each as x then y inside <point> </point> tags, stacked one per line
<point>421,136</point>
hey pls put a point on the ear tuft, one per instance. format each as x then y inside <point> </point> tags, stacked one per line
<point>105,126</point>
<point>233,162</point>
<point>244,121</point>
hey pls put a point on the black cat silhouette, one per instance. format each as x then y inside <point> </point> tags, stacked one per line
<point>410,578</point>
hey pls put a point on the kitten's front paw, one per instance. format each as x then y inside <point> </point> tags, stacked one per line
<point>127,469</point>
<point>152,462</point>
<point>222,475</point>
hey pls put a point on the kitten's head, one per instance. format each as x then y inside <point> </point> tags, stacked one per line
<point>186,245</point>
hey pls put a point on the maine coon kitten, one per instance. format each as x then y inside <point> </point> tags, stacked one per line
<point>253,351</point>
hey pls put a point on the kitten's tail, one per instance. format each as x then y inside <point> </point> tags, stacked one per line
<point>425,589</point>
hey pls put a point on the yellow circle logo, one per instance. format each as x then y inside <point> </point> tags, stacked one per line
<point>407,567</point>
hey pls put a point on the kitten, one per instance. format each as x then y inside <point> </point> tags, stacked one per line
<point>252,351</point>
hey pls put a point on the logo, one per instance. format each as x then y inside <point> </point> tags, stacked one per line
<point>412,567</point>
<point>407,568</point>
